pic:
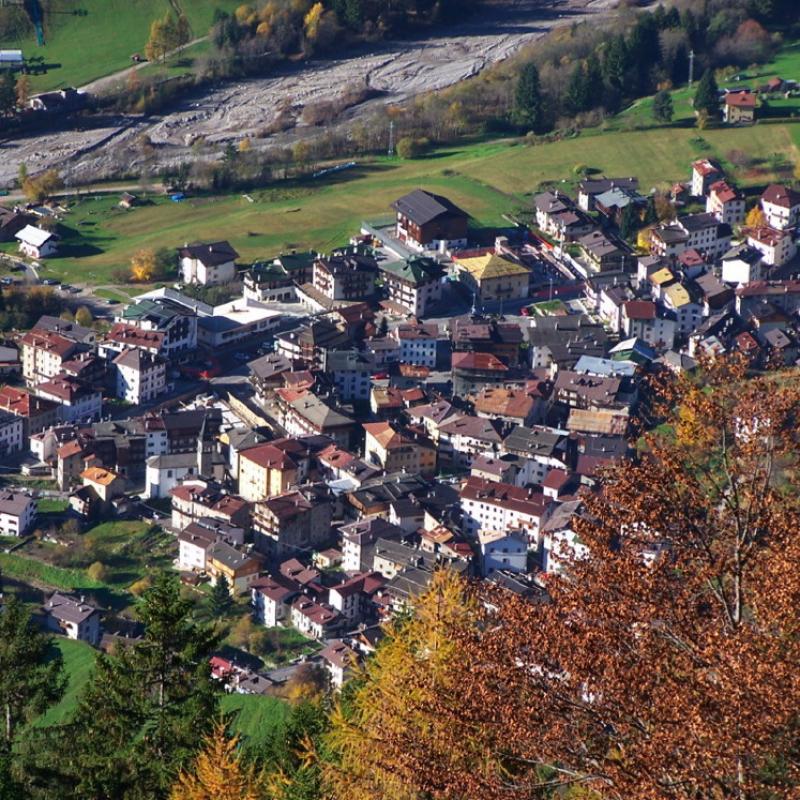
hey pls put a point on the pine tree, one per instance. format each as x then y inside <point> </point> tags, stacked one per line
<point>139,719</point>
<point>31,676</point>
<point>628,221</point>
<point>615,63</point>
<point>577,97</point>
<point>594,80</point>
<point>220,596</point>
<point>528,110</point>
<point>8,95</point>
<point>218,772</point>
<point>662,107</point>
<point>706,97</point>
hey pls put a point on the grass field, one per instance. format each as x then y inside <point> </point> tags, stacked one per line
<point>31,569</point>
<point>79,49</point>
<point>49,505</point>
<point>78,663</point>
<point>254,716</point>
<point>487,180</point>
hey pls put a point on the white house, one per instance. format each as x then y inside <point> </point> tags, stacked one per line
<point>492,506</point>
<point>418,344</point>
<point>78,401</point>
<point>776,246</point>
<point>741,265</point>
<point>506,550</point>
<point>641,320</point>
<point>194,542</point>
<point>314,619</point>
<point>36,243</point>
<point>141,376</point>
<point>208,264</point>
<point>17,513</point>
<point>781,207</point>
<point>11,433</point>
<point>73,617</point>
<point>725,203</point>
<point>414,284</point>
<point>688,313</point>
<point>271,598</point>
<point>339,659</point>
<point>704,173</point>
<point>165,472</point>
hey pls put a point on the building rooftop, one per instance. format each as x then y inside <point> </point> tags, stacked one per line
<point>422,207</point>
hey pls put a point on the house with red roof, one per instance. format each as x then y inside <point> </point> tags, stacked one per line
<point>739,107</point>
<point>490,506</point>
<point>265,470</point>
<point>640,319</point>
<point>726,203</point>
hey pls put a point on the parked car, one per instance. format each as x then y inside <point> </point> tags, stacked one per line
<point>50,282</point>
<point>6,281</point>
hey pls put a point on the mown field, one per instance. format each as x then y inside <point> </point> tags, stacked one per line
<point>487,180</point>
<point>80,48</point>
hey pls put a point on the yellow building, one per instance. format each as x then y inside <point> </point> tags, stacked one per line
<point>393,451</point>
<point>264,471</point>
<point>494,277</point>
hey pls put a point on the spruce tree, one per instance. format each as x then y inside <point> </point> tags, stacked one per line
<point>615,63</point>
<point>706,97</point>
<point>594,80</point>
<point>140,718</point>
<point>577,96</point>
<point>662,107</point>
<point>31,676</point>
<point>528,110</point>
<point>628,221</point>
<point>221,596</point>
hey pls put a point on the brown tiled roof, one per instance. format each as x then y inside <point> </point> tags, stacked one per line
<point>639,309</point>
<point>268,456</point>
<point>47,340</point>
<point>782,196</point>
<point>131,336</point>
<point>22,403</point>
<point>742,99</point>
<point>100,475</point>
<point>486,362</point>
<point>515,498</point>
<point>724,191</point>
<point>504,402</point>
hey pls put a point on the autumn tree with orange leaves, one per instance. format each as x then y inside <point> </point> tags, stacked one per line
<point>664,662</point>
<point>219,772</point>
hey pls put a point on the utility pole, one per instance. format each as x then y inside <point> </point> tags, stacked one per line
<point>691,68</point>
<point>391,137</point>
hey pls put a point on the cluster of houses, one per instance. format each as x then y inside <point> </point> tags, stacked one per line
<point>740,105</point>
<point>377,438</point>
<point>693,292</point>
